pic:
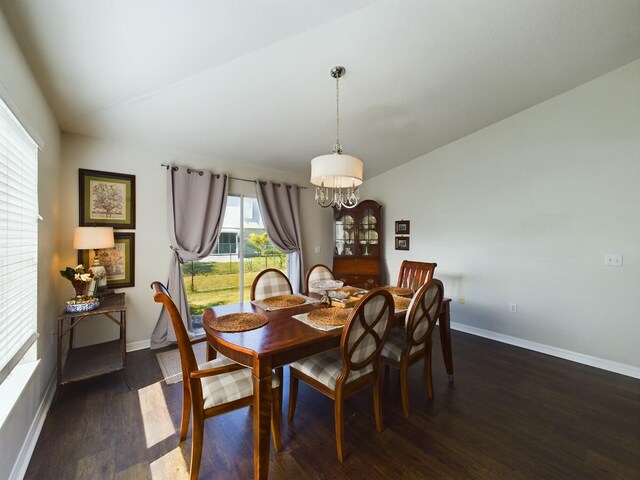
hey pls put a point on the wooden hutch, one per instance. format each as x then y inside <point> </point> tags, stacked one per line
<point>357,241</point>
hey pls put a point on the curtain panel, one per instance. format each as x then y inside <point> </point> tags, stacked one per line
<point>280,209</point>
<point>196,201</point>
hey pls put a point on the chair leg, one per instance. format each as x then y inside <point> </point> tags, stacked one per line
<point>339,426</point>
<point>428,372</point>
<point>404,387</point>
<point>276,418</point>
<point>293,395</point>
<point>280,375</point>
<point>186,410</point>
<point>377,401</point>
<point>197,434</point>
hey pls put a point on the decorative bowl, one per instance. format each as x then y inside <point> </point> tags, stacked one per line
<point>82,305</point>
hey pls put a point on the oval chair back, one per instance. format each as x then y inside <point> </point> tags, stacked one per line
<point>270,282</point>
<point>317,272</point>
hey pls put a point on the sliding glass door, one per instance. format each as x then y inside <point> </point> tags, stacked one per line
<point>242,251</point>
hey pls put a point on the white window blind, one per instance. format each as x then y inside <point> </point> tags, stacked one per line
<point>18,240</point>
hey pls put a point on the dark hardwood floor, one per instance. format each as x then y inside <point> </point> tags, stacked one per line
<point>511,414</point>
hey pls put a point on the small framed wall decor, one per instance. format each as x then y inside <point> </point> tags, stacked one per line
<point>402,243</point>
<point>107,199</point>
<point>119,261</point>
<point>403,227</point>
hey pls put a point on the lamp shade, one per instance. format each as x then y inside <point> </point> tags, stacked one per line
<point>337,171</point>
<point>85,238</point>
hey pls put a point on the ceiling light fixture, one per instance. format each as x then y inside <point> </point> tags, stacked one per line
<point>337,176</point>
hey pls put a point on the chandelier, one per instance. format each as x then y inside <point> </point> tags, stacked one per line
<point>337,176</point>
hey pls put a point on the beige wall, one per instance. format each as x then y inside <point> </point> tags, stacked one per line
<point>524,211</point>
<point>20,91</point>
<point>152,245</point>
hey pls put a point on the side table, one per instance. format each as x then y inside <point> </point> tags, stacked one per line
<point>93,360</point>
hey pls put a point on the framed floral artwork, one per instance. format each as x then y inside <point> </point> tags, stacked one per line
<point>119,261</point>
<point>107,199</point>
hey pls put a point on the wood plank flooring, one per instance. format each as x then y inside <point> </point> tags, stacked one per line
<point>511,414</point>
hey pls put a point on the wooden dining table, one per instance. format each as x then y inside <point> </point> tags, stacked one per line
<point>281,341</point>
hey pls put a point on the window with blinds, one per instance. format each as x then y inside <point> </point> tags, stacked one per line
<point>18,241</point>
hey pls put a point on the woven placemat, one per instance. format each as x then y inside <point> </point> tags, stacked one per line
<point>239,322</point>
<point>401,303</point>
<point>398,290</point>
<point>329,316</point>
<point>349,290</point>
<point>284,301</point>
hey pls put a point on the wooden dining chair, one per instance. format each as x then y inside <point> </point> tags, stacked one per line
<point>215,387</point>
<point>317,272</point>
<point>270,282</point>
<point>406,346</point>
<point>415,274</point>
<point>343,371</point>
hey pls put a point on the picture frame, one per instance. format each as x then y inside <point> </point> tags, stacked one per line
<point>403,227</point>
<point>119,261</point>
<point>107,199</point>
<point>402,243</point>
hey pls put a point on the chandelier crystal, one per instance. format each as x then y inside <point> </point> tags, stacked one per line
<point>337,176</point>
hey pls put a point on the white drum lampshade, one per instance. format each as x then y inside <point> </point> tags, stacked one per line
<point>337,171</point>
<point>94,238</point>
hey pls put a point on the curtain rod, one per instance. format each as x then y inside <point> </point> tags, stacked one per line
<point>229,176</point>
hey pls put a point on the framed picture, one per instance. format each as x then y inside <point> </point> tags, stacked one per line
<point>119,261</point>
<point>107,199</point>
<point>402,243</point>
<point>402,227</point>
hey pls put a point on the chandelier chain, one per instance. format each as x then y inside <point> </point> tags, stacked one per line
<point>337,148</point>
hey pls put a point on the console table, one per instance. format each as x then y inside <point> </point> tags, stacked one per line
<point>93,360</point>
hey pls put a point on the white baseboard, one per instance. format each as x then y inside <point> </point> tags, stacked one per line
<point>140,345</point>
<point>29,445</point>
<point>608,365</point>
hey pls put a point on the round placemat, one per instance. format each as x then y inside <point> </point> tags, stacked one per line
<point>239,322</point>
<point>401,303</point>
<point>283,301</point>
<point>349,290</point>
<point>399,290</point>
<point>329,316</point>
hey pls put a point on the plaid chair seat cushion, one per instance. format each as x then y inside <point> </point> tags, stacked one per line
<point>271,284</point>
<point>227,387</point>
<point>396,343</point>
<point>326,367</point>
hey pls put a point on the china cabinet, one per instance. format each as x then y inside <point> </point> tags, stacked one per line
<point>357,242</point>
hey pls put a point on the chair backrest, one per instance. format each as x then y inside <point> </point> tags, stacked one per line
<point>367,329</point>
<point>270,282</point>
<point>187,358</point>
<point>423,313</point>
<point>415,274</point>
<point>317,272</point>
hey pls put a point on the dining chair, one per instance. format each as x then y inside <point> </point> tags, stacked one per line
<point>406,346</point>
<point>215,387</point>
<point>270,282</point>
<point>355,364</point>
<point>317,272</point>
<point>415,274</point>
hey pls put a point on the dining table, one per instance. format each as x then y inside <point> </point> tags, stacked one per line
<point>281,341</point>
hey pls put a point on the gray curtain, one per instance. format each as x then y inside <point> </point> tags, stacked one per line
<point>279,206</point>
<point>195,207</point>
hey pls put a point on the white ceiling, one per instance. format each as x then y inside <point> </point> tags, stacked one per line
<point>248,80</point>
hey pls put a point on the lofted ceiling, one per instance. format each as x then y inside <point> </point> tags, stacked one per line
<point>248,80</point>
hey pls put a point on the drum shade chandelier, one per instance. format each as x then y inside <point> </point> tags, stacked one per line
<point>337,176</point>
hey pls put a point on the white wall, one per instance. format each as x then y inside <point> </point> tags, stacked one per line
<point>152,245</point>
<point>20,91</point>
<point>524,211</point>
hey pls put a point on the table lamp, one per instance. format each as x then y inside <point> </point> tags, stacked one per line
<point>93,238</point>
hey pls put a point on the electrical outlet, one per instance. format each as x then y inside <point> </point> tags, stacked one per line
<point>612,260</point>
<point>513,308</point>
<point>461,299</point>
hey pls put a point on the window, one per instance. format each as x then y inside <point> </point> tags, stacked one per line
<point>18,241</point>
